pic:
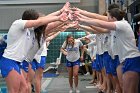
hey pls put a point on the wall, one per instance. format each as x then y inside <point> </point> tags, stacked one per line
<point>9,13</point>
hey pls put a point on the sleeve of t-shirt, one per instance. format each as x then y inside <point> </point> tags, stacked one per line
<point>90,36</point>
<point>92,43</point>
<point>80,43</point>
<point>20,23</point>
<point>119,25</point>
<point>64,45</point>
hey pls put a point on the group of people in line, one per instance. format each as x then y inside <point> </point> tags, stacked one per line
<point>111,46</point>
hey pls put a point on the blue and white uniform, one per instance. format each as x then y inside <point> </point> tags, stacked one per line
<point>17,47</point>
<point>127,50</point>
<point>73,53</point>
<point>99,55</point>
<point>41,56</point>
<point>106,57</point>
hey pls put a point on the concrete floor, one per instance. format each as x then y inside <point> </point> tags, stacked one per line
<point>59,84</point>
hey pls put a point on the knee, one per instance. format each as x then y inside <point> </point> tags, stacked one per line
<point>75,74</point>
<point>25,89</point>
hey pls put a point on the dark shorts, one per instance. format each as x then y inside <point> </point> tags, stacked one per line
<point>131,64</point>
<point>25,66</point>
<point>94,64</point>
<point>107,60</point>
<point>114,64</point>
<point>72,64</point>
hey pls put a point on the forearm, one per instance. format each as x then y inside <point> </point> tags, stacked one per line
<point>55,13</point>
<point>41,21</point>
<point>53,25</point>
<point>87,33</point>
<point>100,23</point>
<point>101,30</point>
<point>93,15</point>
<point>87,28</point>
<point>82,51</point>
<point>52,36</point>
<point>63,51</point>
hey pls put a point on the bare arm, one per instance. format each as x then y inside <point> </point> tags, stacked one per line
<point>92,15</point>
<point>63,51</point>
<point>64,8</point>
<point>52,36</point>
<point>99,29</point>
<point>87,33</point>
<point>53,25</point>
<point>99,23</point>
<point>45,20</point>
<point>87,28</point>
<point>41,21</point>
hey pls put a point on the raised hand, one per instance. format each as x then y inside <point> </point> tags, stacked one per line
<point>66,7</point>
<point>63,17</point>
<point>72,24</point>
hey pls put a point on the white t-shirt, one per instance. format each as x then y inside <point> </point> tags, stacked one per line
<point>113,48</point>
<point>92,48</point>
<point>73,52</point>
<point>91,36</point>
<point>42,51</point>
<point>106,42</point>
<point>99,40</point>
<point>125,40</point>
<point>32,52</point>
<point>19,41</point>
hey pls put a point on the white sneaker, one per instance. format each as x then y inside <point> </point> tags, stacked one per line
<point>71,91</point>
<point>77,91</point>
<point>87,74</point>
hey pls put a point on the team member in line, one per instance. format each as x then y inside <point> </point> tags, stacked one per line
<point>17,48</point>
<point>91,49</point>
<point>39,61</point>
<point>28,72</point>
<point>127,51</point>
<point>70,48</point>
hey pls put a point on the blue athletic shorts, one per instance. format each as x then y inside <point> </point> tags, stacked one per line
<point>107,60</point>
<point>100,58</point>
<point>36,65</point>
<point>25,66</point>
<point>72,64</point>
<point>98,66</point>
<point>6,65</point>
<point>94,64</point>
<point>114,64</point>
<point>131,64</point>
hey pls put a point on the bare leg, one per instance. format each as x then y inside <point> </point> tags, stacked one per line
<point>70,72</point>
<point>38,78</point>
<point>118,88</point>
<point>30,78</point>
<point>109,84</point>
<point>23,85</point>
<point>13,81</point>
<point>119,73</point>
<point>130,82</point>
<point>75,74</point>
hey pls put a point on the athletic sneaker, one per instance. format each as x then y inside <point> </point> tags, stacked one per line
<point>77,91</point>
<point>87,74</point>
<point>70,91</point>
